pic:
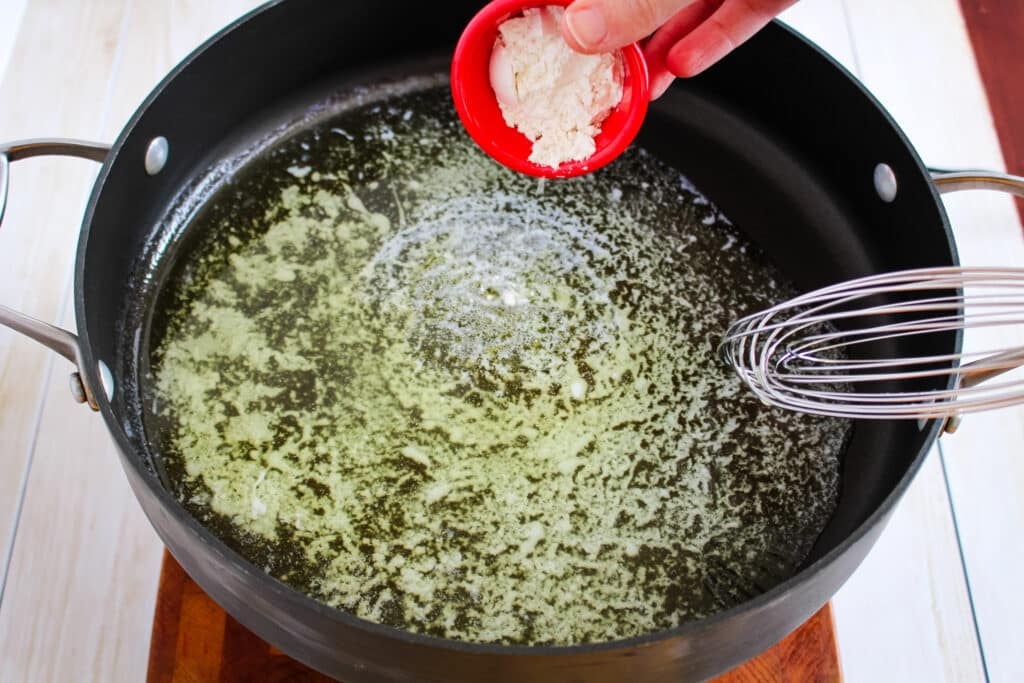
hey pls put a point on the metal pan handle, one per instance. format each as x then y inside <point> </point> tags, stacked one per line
<point>54,338</point>
<point>959,181</point>
<point>978,180</point>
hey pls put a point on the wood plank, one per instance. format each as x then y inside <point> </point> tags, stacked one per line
<point>11,12</point>
<point>915,63</point>
<point>824,22</point>
<point>82,579</point>
<point>41,96</point>
<point>983,459</point>
<point>83,573</point>
<point>996,29</point>
<point>905,614</point>
<point>915,56</point>
<point>194,640</point>
<point>159,35</point>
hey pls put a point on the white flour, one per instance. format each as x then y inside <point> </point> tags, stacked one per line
<point>556,97</point>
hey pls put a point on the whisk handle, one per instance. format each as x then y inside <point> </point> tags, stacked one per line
<point>979,180</point>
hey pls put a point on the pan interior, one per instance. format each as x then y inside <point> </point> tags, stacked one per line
<point>462,402</point>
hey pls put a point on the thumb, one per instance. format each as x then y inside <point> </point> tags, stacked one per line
<point>594,26</point>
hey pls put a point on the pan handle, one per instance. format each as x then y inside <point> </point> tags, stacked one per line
<point>54,338</point>
<point>978,180</point>
<point>958,181</point>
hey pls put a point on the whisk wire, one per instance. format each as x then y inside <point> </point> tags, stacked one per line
<point>888,346</point>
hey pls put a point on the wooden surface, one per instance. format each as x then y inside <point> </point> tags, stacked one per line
<point>996,28</point>
<point>194,640</point>
<point>938,599</point>
<point>81,561</point>
<point>987,494</point>
<point>918,72</point>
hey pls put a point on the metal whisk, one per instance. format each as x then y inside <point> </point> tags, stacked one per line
<point>882,346</point>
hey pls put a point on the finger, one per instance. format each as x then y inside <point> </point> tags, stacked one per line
<point>656,49</point>
<point>660,82</point>
<point>594,26</point>
<point>733,24</point>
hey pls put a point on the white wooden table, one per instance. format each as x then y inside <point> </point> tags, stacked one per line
<point>937,600</point>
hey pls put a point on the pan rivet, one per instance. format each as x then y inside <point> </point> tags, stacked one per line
<point>77,388</point>
<point>156,155</point>
<point>885,183</point>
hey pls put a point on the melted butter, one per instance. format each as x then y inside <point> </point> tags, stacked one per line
<point>446,398</point>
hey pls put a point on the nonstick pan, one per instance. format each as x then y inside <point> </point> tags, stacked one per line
<point>780,137</point>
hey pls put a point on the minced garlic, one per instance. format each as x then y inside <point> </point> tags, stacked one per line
<point>556,97</point>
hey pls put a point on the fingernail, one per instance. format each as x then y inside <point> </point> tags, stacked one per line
<point>587,26</point>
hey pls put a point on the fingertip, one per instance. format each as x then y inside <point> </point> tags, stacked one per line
<point>570,39</point>
<point>659,77</point>
<point>584,28</point>
<point>686,61</point>
<point>660,84</point>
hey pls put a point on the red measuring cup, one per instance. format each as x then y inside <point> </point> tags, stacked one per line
<point>478,105</point>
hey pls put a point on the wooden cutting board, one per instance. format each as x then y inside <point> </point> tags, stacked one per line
<point>195,641</point>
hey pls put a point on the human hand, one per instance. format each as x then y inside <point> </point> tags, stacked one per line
<point>686,36</point>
